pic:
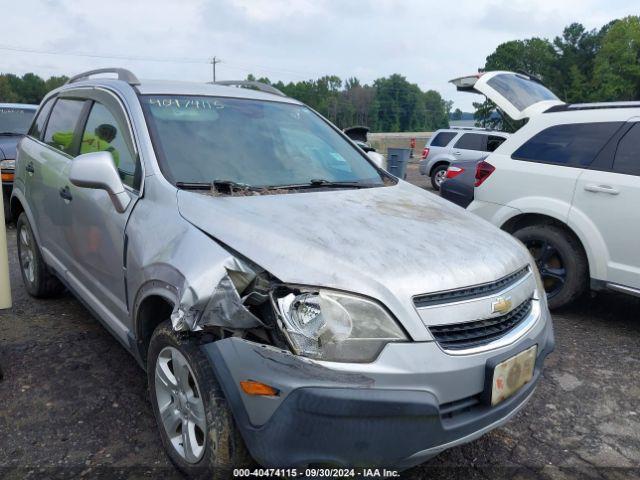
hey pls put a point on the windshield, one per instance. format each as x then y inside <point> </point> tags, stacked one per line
<point>15,120</point>
<point>520,91</point>
<point>251,142</point>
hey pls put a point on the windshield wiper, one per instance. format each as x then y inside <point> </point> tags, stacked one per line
<point>319,183</point>
<point>224,187</point>
<point>194,185</point>
<point>6,134</point>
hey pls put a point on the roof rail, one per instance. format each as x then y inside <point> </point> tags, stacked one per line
<point>483,129</point>
<point>123,74</point>
<point>263,87</point>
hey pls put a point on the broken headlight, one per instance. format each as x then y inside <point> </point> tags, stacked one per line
<point>335,326</point>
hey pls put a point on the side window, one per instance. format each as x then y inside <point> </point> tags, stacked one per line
<point>627,159</point>
<point>103,133</point>
<point>575,144</point>
<point>493,142</point>
<point>62,124</point>
<point>442,139</point>
<point>472,141</point>
<point>37,128</point>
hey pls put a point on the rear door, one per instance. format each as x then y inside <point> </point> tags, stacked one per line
<point>49,166</point>
<point>440,143</point>
<point>470,146</point>
<point>610,198</point>
<point>519,96</point>
<point>29,149</point>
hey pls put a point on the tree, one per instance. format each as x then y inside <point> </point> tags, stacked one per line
<point>578,66</point>
<point>457,114</point>
<point>29,88</point>
<point>535,56</point>
<point>617,63</point>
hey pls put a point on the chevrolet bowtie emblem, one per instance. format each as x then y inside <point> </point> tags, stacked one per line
<point>501,305</point>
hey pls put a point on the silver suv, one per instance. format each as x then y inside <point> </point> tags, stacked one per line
<point>450,145</point>
<point>292,303</point>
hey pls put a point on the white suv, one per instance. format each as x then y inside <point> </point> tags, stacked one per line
<point>567,184</point>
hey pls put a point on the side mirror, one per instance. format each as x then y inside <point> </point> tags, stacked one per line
<point>378,159</point>
<point>96,170</point>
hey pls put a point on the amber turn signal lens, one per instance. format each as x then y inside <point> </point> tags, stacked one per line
<point>7,177</point>
<point>256,388</point>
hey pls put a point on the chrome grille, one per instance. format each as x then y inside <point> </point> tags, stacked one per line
<point>451,296</point>
<point>460,336</point>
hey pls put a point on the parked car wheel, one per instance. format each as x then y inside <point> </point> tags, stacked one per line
<point>195,422</point>
<point>438,176</point>
<point>37,278</point>
<point>560,261</point>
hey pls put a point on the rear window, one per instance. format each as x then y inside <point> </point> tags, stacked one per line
<point>520,91</point>
<point>442,139</point>
<point>575,144</point>
<point>472,141</point>
<point>627,158</point>
<point>493,142</point>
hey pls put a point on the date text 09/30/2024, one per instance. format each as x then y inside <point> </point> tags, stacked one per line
<point>316,472</point>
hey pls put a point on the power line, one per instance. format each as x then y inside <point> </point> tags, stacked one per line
<point>95,55</point>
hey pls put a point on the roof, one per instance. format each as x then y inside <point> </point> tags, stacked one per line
<point>25,106</point>
<point>171,87</point>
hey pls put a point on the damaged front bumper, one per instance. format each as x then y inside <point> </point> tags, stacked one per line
<point>410,404</point>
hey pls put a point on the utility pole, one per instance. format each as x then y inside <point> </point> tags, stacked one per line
<point>214,61</point>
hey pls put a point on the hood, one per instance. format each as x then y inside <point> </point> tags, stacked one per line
<point>9,145</point>
<point>389,243</point>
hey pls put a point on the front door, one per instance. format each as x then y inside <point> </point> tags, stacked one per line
<point>95,239</point>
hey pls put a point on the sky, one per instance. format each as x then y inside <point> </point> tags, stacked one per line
<point>290,40</point>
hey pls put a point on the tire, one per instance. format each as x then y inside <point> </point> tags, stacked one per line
<point>221,448</point>
<point>561,262</point>
<point>36,276</point>
<point>437,176</point>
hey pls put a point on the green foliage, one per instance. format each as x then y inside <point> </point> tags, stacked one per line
<point>617,64</point>
<point>579,66</point>
<point>391,104</point>
<point>29,88</point>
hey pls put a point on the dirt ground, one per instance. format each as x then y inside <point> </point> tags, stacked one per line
<point>74,403</point>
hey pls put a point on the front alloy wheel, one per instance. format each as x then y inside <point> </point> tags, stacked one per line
<point>194,418</point>
<point>180,404</point>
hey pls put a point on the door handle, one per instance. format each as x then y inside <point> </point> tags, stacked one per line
<point>457,153</point>
<point>29,168</point>
<point>65,193</point>
<point>590,187</point>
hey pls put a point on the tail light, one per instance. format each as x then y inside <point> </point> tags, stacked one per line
<point>425,152</point>
<point>483,171</point>
<point>453,172</point>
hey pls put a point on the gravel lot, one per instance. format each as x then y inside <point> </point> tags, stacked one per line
<point>73,402</point>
